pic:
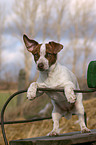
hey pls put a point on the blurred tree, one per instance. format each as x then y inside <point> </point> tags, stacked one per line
<point>88,29</point>
<point>58,22</point>
<point>60,18</point>
<point>46,17</point>
<point>82,31</point>
<point>2,27</point>
<point>25,12</point>
<point>21,86</point>
<point>74,32</point>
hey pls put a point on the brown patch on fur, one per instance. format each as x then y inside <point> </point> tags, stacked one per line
<point>56,47</point>
<point>50,55</point>
<point>36,52</point>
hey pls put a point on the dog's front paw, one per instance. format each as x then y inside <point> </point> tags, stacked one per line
<point>69,93</point>
<point>53,133</point>
<point>85,130</point>
<point>31,93</point>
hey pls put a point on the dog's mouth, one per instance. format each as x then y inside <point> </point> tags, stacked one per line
<point>41,69</point>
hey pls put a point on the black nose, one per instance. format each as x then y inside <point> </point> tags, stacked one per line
<point>41,66</point>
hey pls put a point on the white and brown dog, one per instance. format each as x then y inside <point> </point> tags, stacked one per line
<point>54,75</point>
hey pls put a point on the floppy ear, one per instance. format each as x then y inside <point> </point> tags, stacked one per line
<point>56,46</point>
<point>29,43</point>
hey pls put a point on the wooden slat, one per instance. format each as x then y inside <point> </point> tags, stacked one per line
<point>64,139</point>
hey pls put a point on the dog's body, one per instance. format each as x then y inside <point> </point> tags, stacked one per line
<point>53,75</point>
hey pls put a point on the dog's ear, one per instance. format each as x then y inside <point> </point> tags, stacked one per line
<point>56,46</point>
<point>29,43</point>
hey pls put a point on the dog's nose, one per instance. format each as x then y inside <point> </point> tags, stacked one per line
<point>40,65</point>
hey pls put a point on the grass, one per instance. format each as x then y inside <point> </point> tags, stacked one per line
<point>12,107</point>
<point>3,97</point>
<point>26,109</point>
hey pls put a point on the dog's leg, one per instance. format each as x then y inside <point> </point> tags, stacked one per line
<point>83,127</point>
<point>80,113</point>
<point>32,90</point>
<point>69,92</point>
<point>55,117</point>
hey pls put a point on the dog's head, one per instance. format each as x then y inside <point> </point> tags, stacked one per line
<point>45,55</point>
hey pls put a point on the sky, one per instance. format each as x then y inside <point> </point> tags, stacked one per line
<point>13,47</point>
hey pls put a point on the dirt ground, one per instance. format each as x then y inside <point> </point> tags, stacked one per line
<point>41,128</point>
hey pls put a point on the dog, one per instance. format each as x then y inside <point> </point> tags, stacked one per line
<point>54,75</point>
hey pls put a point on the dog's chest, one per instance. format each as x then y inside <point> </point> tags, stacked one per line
<point>54,79</point>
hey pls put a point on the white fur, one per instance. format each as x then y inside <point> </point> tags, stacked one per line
<point>31,93</point>
<point>59,76</point>
<point>42,58</point>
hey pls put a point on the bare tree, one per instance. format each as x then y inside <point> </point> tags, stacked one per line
<point>26,12</point>
<point>46,18</point>
<point>88,29</point>
<point>59,18</point>
<point>74,32</point>
<point>2,26</point>
<point>80,26</point>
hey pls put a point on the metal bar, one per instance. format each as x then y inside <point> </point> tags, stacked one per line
<point>62,90</point>
<point>85,118</point>
<point>23,91</point>
<point>27,120</point>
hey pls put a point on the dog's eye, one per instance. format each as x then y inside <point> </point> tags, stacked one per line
<point>36,55</point>
<point>48,54</point>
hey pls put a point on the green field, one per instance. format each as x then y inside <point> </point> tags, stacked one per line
<point>3,97</point>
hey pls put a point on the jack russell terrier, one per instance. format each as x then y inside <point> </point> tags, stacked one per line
<point>54,75</point>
